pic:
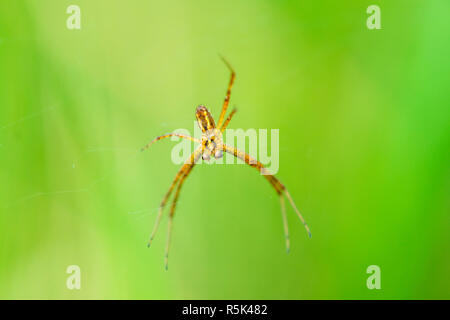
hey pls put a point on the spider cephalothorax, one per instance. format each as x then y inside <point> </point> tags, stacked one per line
<point>211,143</point>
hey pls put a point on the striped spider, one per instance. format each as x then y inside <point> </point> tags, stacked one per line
<point>211,144</point>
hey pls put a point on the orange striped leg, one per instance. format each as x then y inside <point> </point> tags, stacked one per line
<point>227,97</point>
<point>170,135</point>
<point>298,212</point>
<point>185,168</point>
<point>225,124</point>
<point>277,185</point>
<point>172,211</point>
<point>285,223</point>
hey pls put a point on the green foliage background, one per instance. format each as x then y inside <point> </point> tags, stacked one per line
<point>364,148</point>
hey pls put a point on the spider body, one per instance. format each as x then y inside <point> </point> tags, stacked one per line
<point>211,136</point>
<point>211,144</point>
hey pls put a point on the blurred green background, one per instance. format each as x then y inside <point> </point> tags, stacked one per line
<point>364,149</point>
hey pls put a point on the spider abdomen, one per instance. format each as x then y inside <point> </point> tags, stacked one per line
<point>204,118</point>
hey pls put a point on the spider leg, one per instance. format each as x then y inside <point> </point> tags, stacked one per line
<point>227,97</point>
<point>285,223</point>
<point>298,212</point>
<point>185,168</point>
<point>277,185</point>
<point>170,135</point>
<point>172,212</point>
<point>227,121</point>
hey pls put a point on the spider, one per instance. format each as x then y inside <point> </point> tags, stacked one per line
<point>211,144</point>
